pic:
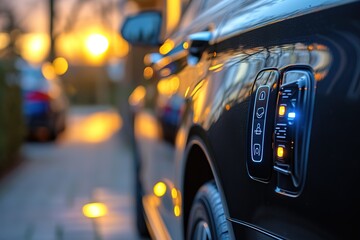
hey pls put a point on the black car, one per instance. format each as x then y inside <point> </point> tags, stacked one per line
<point>249,125</point>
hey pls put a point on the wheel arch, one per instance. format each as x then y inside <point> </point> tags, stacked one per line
<point>198,159</point>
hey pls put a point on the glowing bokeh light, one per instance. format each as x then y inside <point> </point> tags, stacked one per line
<point>97,44</point>
<point>137,95</point>
<point>168,86</point>
<point>166,47</point>
<point>94,210</point>
<point>120,46</point>
<point>174,193</point>
<point>60,65</point>
<point>177,210</point>
<point>159,189</point>
<point>173,13</point>
<point>94,128</point>
<point>101,126</point>
<point>34,47</point>
<point>148,72</point>
<point>147,127</point>
<point>48,71</point>
<point>4,40</point>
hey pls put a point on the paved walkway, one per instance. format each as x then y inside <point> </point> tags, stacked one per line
<point>42,199</point>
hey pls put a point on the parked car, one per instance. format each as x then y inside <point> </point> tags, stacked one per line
<point>265,144</point>
<point>44,103</point>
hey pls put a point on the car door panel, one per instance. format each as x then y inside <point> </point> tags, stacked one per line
<point>213,101</point>
<point>331,51</point>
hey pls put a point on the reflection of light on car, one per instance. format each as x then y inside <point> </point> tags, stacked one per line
<point>165,72</point>
<point>121,47</point>
<point>173,11</point>
<point>199,97</point>
<point>168,86</point>
<point>147,127</point>
<point>60,65</point>
<point>97,44</point>
<point>94,210</point>
<point>148,72</point>
<point>159,189</point>
<point>177,210</point>
<point>216,67</point>
<point>174,193</point>
<point>227,107</point>
<point>137,95</point>
<point>166,47</point>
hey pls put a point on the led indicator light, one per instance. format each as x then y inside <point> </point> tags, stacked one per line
<point>280,152</point>
<point>291,115</point>
<point>282,110</point>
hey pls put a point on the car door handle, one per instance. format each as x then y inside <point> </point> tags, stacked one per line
<point>198,43</point>
<point>281,110</point>
<point>292,129</point>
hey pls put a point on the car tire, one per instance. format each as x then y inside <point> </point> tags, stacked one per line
<point>207,218</point>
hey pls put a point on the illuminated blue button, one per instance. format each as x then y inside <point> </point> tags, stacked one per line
<point>291,115</point>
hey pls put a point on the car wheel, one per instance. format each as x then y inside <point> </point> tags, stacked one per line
<point>207,218</point>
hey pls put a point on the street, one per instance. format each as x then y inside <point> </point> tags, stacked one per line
<point>43,198</point>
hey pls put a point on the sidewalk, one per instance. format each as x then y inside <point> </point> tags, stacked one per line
<point>44,196</point>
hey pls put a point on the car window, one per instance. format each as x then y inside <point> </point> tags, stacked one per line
<point>200,15</point>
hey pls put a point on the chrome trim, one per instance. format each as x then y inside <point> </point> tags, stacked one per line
<point>158,227</point>
<point>249,225</point>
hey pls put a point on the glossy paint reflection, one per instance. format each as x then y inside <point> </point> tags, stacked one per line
<point>236,78</point>
<point>146,127</point>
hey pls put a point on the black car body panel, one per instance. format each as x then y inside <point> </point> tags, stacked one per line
<point>211,104</point>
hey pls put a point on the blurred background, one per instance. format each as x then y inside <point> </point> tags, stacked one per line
<point>66,75</point>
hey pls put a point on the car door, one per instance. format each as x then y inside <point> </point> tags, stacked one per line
<point>280,63</point>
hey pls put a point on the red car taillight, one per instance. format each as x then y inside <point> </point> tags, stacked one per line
<point>37,96</point>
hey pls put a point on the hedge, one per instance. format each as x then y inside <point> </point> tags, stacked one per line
<point>12,129</point>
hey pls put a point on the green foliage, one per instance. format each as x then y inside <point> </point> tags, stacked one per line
<point>12,129</point>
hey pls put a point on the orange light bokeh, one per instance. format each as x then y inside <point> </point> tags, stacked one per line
<point>92,46</point>
<point>60,65</point>
<point>94,210</point>
<point>95,128</point>
<point>48,71</point>
<point>33,47</point>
